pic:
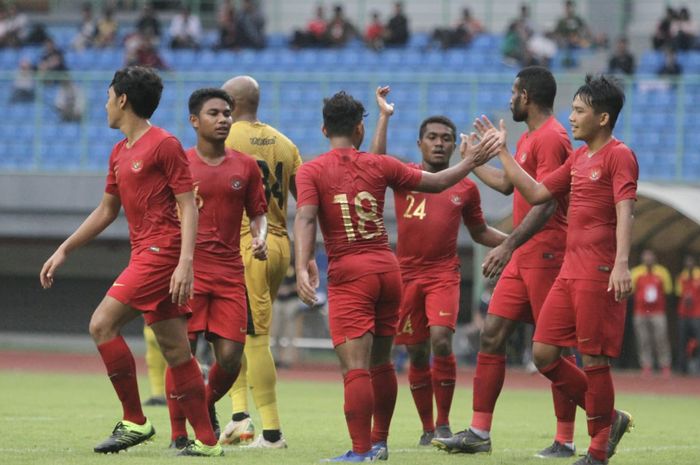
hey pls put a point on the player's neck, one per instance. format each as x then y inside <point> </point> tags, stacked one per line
<point>249,116</point>
<point>211,152</point>
<point>598,141</point>
<point>133,128</point>
<point>341,143</point>
<point>537,118</point>
<point>433,168</point>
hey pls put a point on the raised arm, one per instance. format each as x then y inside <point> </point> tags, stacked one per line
<point>495,178</point>
<point>258,229</point>
<point>304,253</point>
<point>182,280</point>
<point>385,111</point>
<point>101,217</point>
<point>620,280</point>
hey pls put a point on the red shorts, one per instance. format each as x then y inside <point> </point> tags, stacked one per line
<point>369,303</point>
<point>426,302</point>
<point>144,285</point>
<point>520,292</point>
<point>582,313</point>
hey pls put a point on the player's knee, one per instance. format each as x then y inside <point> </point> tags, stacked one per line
<point>492,341</point>
<point>442,346</point>
<point>542,356</point>
<point>100,331</point>
<point>419,355</point>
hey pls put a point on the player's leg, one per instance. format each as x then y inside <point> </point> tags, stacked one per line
<point>413,332</point>
<point>382,372</point>
<point>155,363</point>
<point>188,383</point>
<point>105,325</point>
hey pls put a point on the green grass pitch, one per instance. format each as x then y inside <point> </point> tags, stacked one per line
<point>58,418</point>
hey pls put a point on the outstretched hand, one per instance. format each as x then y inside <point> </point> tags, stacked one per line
<point>385,108</point>
<point>480,151</point>
<point>483,125</point>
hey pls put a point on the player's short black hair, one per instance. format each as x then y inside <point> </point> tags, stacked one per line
<point>201,96</point>
<point>142,86</point>
<point>604,94</point>
<point>440,119</point>
<point>540,85</point>
<point>341,114</point>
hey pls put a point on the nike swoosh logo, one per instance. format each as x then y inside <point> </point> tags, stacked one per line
<point>172,396</point>
<point>243,330</point>
<point>444,313</point>
<point>584,339</point>
<point>593,418</point>
<point>118,285</point>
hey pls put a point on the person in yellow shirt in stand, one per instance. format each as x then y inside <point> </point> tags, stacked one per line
<point>651,282</point>
<point>278,159</point>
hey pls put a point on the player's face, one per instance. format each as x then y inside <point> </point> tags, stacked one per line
<point>437,144</point>
<point>214,120</point>
<point>585,122</point>
<point>516,102</point>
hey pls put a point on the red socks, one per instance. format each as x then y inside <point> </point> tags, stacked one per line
<point>600,401</point>
<point>189,387</point>
<point>565,411</point>
<point>444,378</point>
<point>569,379</point>
<point>488,382</point>
<point>420,381</point>
<point>219,383</point>
<point>121,369</point>
<point>385,388</point>
<point>178,426</point>
<point>359,402</point>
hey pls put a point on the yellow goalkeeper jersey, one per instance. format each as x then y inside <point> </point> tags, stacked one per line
<point>278,159</point>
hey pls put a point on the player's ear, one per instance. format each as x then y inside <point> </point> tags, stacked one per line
<point>194,121</point>
<point>324,130</point>
<point>524,97</point>
<point>122,100</point>
<point>604,119</point>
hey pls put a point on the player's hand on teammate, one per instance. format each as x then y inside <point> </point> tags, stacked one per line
<point>385,108</point>
<point>259,248</point>
<point>620,282</point>
<point>182,283</point>
<point>49,269</point>
<point>495,261</point>
<point>307,283</point>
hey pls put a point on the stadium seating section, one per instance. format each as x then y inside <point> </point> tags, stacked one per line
<point>661,120</point>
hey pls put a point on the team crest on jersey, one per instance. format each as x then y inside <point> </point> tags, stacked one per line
<point>456,199</point>
<point>236,184</point>
<point>523,157</point>
<point>595,174</point>
<point>136,165</point>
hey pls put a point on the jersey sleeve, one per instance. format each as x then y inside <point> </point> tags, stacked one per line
<point>552,152</point>
<point>307,190</point>
<point>255,203</point>
<point>624,173</point>
<point>111,186</point>
<point>636,272</point>
<point>472,215</point>
<point>296,162</point>
<point>398,174</point>
<point>666,279</point>
<point>173,161</point>
<point>558,182</point>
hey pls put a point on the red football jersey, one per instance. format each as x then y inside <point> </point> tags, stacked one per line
<point>146,177</point>
<point>428,224</point>
<point>349,188</point>
<point>595,184</point>
<point>539,153</point>
<point>222,192</point>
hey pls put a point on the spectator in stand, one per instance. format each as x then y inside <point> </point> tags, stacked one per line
<point>23,85</point>
<point>374,34</point>
<point>463,33</point>
<point>621,61</point>
<point>185,29</point>
<point>251,26</point>
<point>228,29</point>
<point>51,61</point>
<point>107,29</point>
<point>69,102</point>
<point>142,50</point>
<point>396,32</point>
<point>87,32</point>
<point>684,30</point>
<point>671,67</point>
<point>340,31</point>
<point>571,30</point>
<point>13,27</point>
<point>148,23</point>
<point>662,36</point>
<point>651,282</point>
<point>315,34</point>
<point>688,292</point>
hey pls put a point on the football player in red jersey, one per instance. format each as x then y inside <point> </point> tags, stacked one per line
<point>148,175</point>
<point>430,268</point>
<point>227,182</point>
<point>344,189</point>
<point>586,306</point>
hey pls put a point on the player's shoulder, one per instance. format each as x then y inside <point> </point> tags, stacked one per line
<point>619,153</point>
<point>552,132</point>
